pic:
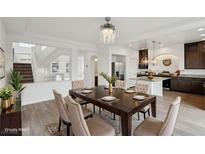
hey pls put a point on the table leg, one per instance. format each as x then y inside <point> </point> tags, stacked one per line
<point>153,108</point>
<point>126,125</point>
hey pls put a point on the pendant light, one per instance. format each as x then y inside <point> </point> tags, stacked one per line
<point>107,33</point>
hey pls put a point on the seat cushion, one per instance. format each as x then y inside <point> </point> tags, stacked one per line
<point>86,112</point>
<point>149,127</point>
<point>81,101</point>
<point>99,127</point>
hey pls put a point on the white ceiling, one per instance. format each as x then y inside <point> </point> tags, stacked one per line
<point>128,30</point>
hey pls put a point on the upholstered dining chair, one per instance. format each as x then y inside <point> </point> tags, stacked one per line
<point>79,84</point>
<point>120,84</point>
<point>63,112</point>
<point>91,127</point>
<point>143,88</point>
<point>154,127</point>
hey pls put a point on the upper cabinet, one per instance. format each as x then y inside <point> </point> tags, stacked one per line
<point>194,55</point>
<point>143,56</point>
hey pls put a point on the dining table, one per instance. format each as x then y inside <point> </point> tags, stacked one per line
<point>125,105</point>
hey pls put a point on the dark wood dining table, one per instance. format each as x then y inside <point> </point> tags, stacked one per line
<point>124,106</point>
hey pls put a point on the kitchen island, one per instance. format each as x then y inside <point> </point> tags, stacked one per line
<point>155,85</point>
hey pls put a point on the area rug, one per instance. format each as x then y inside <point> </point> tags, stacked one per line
<point>107,116</point>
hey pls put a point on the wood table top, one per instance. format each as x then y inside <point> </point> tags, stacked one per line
<point>124,103</point>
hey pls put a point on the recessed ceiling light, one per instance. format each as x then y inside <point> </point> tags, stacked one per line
<point>200,29</point>
<point>202,35</point>
<point>130,45</point>
<point>203,39</point>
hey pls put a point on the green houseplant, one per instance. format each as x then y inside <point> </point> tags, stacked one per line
<point>5,95</point>
<point>16,82</point>
<point>109,79</point>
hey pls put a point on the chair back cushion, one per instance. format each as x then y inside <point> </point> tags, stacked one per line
<point>142,88</point>
<point>78,84</point>
<point>78,123</point>
<point>61,106</point>
<point>120,84</point>
<point>170,120</point>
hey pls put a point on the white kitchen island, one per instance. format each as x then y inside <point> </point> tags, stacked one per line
<point>155,85</point>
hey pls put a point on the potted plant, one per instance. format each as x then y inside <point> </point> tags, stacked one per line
<point>109,79</point>
<point>5,95</point>
<point>16,82</point>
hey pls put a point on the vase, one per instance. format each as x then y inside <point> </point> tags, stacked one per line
<point>12,101</point>
<point>110,87</point>
<point>6,103</point>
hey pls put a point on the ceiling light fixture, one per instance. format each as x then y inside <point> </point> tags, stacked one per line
<point>107,33</point>
<point>203,39</point>
<point>200,29</point>
<point>202,35</point>
<point>154,60</point>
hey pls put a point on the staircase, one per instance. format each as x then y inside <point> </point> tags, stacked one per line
<point>25,70</point>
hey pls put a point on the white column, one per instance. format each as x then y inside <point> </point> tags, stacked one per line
<point>104,63</point>
<point>74,64</point>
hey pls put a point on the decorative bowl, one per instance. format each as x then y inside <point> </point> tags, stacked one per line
<point>150,77</point>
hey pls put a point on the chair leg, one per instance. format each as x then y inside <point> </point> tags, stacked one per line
<point>94,109</point>
<point>138,114</point>
<point>113,116</point>
<point>68,130</point>
<point>59,126</point>
<point>99,110</point>
<point>148,112</point>
<point>144,115</point>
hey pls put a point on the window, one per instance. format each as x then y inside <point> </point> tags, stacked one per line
<point>55,67</point>
<point>67,67</point>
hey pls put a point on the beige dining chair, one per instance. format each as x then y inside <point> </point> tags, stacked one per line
<point>143,88</point>
<point>79,84</point>
<point>91,127</point>
<point>154,127</point>
<point>120,84</point>
<point>63,112</point>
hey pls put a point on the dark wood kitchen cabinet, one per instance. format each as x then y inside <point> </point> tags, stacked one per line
<point>188,84</point>
<point>194,55</point>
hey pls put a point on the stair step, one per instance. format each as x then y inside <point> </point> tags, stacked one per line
<point>25,70</point>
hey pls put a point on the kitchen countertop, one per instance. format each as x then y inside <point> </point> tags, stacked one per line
<point>191,76</point>
<point>155,79</point>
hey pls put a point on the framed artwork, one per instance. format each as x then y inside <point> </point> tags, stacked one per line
<point>2,63</point>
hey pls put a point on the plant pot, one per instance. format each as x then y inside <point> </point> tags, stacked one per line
<point>6,103</point>
<point>110,88</point>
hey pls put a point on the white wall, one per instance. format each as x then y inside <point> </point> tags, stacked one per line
<point>3,46</point>
<point>38,92</point>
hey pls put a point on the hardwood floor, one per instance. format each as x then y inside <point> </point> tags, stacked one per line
<point>190,121</point>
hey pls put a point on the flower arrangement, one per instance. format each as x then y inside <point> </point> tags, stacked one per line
<point>109,79</point>
<point>6,93</point>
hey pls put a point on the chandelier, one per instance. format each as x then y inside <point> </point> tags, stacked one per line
<point>107,33</point>
<point>153,61</point>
